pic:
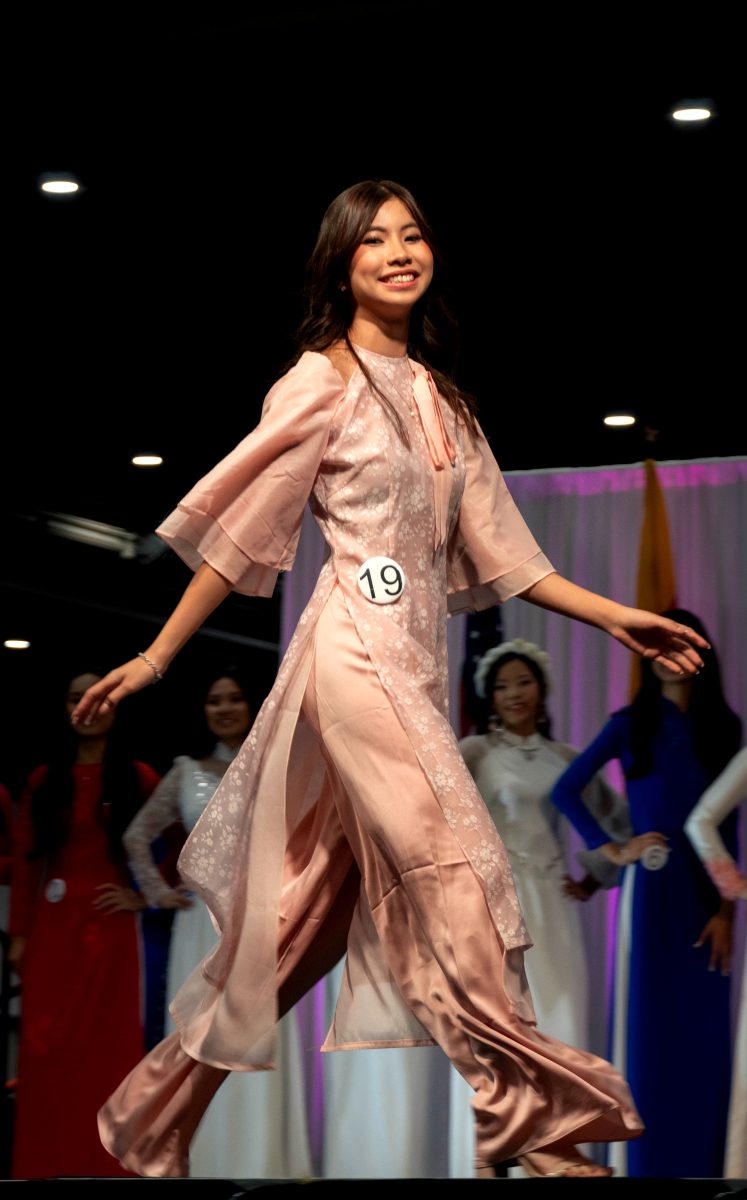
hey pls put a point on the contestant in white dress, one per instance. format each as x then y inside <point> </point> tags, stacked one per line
<point>515,765</point>
<point>256,1125</point>
<point>727,791</point>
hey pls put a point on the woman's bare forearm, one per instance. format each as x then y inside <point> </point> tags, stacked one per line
<point>205,592</point>
<point>203,595</point>
<point>673,645</point>
<point>560,595</point>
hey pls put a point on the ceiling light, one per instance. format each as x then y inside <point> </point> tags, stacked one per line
<point>619,419</point>
<point>16,644</point>
<point>693,110</point>
<point>59,183</point>
<point>691,114</point>
<point>147,460</point>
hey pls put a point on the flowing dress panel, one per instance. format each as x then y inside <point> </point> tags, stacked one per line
<point>255,1126</point>
<point>671,1053</point>
<point>82,986</point>
<point>727,793</point>
<point>429,913</point>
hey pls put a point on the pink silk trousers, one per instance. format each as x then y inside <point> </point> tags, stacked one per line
<point>421,928</point>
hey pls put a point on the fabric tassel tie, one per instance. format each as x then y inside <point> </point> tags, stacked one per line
<point>440,447</point>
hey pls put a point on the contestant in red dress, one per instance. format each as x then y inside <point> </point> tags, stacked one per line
<point>75,944</point>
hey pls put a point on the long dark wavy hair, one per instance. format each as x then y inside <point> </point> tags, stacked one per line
<point>717,730</point>
<point>52,801</point>
<point>433,334</point>
<point>544,724</point>
<point>201,740</point>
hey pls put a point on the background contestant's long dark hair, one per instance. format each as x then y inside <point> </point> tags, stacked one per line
<point>52,802</point>
<point>199,741</point>
<point>717,730</point>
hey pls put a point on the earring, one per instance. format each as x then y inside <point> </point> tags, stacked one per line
<point>343,287</point>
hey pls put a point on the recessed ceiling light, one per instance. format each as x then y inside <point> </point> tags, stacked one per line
<point>691,114</point>
<point>60,187</point>
<point>618,419</point>
<point>16,644</point>
<point>59,183</point>
<point>147,460</point>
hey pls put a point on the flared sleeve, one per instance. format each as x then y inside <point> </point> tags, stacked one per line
<point>492,555</point>
<point>244,517</point>
<point>718,801</point>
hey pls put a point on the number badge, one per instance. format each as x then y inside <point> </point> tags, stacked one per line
<point>381,580</point>
<point>55,890</point>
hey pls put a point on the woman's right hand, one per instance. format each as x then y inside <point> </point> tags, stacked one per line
<point>624,853</point>
<point>103,696</point>
<point>178,897</point>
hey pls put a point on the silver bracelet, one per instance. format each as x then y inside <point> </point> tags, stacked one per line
<point>158,674</point>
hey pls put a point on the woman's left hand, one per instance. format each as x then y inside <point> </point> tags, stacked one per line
<point>579,889</point>
<point>623,854</point>
<point>719,930</point>
<point>671,644</point>
<point>113,898</point>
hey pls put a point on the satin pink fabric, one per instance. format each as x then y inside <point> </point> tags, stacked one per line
<point>352,771</point>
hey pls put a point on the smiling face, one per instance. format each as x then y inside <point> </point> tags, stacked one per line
<point>392,267</point>
<point>227,712</point>
<point>517,697</point>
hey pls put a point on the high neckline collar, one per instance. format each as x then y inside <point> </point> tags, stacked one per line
<point>389,358</point>
<point>224,753</point>
<point>533,742</point>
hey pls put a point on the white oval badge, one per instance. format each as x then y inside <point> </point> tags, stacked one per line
<point>655,857</point>
<point>55,890</point>
<point>381,580</point>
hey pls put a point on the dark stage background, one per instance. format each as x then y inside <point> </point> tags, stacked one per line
<point>596,251</point>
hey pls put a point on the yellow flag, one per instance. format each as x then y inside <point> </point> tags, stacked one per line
<point>656,589</point>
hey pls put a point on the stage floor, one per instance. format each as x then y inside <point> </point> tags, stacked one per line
<point>336,1189</point>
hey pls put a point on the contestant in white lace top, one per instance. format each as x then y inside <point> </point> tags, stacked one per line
<point>515,765</point>
<point>256,1127</point>
<point>702,828</point>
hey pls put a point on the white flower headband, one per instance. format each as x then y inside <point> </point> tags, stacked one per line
<point>517,646</point>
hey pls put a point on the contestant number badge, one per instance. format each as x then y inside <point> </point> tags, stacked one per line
<point>381,580</point>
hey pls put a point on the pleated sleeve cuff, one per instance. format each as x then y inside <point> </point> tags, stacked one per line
<point>483,594</point>
<point>199,538</point>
